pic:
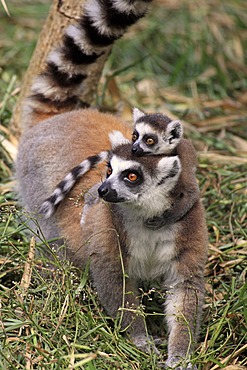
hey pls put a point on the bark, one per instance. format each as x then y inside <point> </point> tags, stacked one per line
<point>62,13</point>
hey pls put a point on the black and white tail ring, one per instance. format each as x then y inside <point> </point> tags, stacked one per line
<point>50,205</point>
<point>68,66</point>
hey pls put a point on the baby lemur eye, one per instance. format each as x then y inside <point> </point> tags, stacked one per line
<point>150,141</point>
<point>134,136</point>
<point>109,171</point>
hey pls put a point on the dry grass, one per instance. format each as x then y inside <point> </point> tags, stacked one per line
<point>186,59</point>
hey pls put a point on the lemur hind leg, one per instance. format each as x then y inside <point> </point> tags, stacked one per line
<point>183,312</point>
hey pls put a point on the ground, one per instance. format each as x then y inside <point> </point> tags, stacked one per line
<point>188,60</point>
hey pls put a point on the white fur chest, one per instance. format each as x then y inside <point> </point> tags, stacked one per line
<point>151,252</point>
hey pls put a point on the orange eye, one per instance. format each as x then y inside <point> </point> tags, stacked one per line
<point>149,141</point>
<point>132,177</point>
<point>109,171</point>
<point>134,137</point>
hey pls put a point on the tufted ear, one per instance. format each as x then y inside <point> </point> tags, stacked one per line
<point>169,166</point>
<point>174,131</point>
<point>116,138</point>
<point>137,113</point>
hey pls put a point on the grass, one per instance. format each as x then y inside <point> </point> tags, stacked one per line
<point>186,59</point>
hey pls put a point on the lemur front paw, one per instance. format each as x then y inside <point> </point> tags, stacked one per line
<point>145,344</point>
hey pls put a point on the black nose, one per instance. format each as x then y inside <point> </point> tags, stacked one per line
<point>103,190</point>
<point>109,195</point>
<point>136,150</point>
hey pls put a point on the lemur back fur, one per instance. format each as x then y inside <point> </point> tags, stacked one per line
<point>57,137</point>
<point>166,136</point>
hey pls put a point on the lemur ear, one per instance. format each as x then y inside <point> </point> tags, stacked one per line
<point>116,138</point>
<point>169,166</point>
<point>137,113</point>
<point>174,131</point>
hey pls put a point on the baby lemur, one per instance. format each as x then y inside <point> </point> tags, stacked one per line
<point>135,194</point>
<point>153,134</point>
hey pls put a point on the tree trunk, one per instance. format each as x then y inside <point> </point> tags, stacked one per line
<point>62,13</point>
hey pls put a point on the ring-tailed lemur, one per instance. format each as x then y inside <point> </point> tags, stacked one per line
<point>153,134</point>
<point>157,134</point>
<point>136,190</point>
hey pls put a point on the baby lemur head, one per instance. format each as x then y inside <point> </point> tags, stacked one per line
<point>154,133</point>
<point>143,182</point>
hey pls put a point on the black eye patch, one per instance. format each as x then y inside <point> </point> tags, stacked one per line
<point>131,177</point>
<point>108,170</point>
<point>135,136</point>
<point>151,137</point>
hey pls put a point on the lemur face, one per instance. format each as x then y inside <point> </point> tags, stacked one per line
<point>154,134</point>
<point>145,140</point>
<point>140,181</point>
<point>125,180</point>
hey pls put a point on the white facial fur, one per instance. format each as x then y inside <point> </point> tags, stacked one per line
<point>166,141</point>
<point>145,129</point>
<point>118,166</point>
<point>150,197</point>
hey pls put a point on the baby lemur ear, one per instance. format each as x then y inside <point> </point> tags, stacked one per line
<point>174,132</point>
<point>116,138</point>
<point>137,113</point>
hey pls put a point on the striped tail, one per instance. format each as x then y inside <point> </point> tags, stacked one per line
<point>50,205</point>
<point>58,88</point>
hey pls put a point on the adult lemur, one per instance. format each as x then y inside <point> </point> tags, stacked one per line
<point>153,134</point>
<point>136,193</point>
